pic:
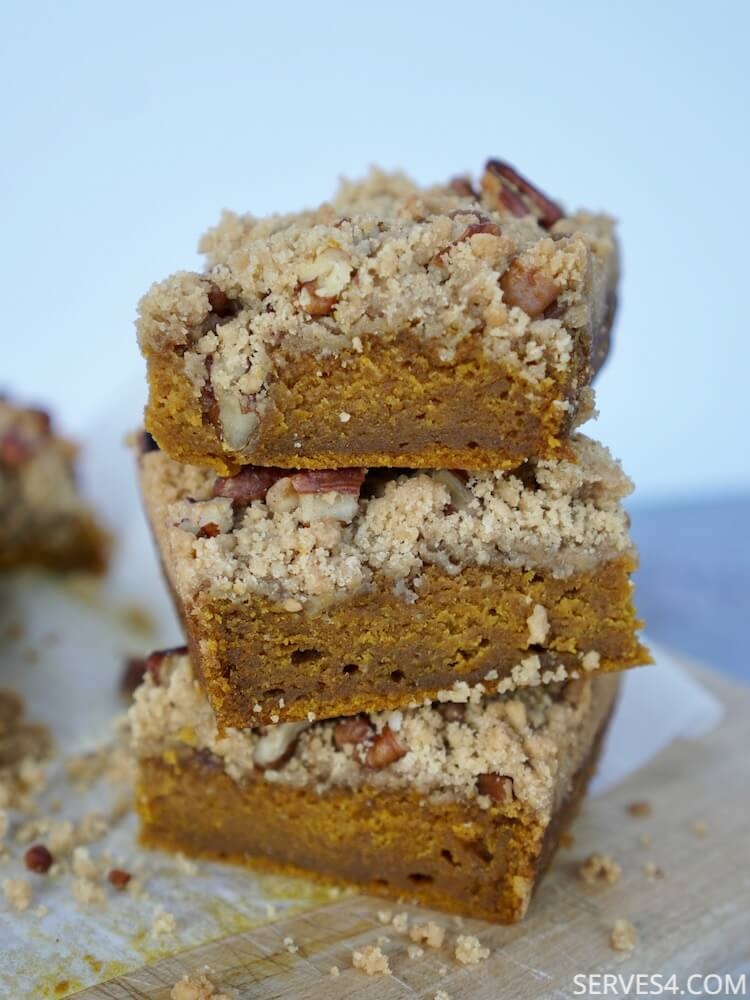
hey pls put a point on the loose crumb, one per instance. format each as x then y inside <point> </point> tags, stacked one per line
<point>371,961</point>
<point>385,916</point>
<point>600,868</point>
<point>401,922</point>
<point>652,871</point>
<point>640,809</point>
<point>86,892</point>
<point>333,971</point>
<point>163,923</point>
<point>624,936</point>
<point>196,986</point>
<point>291,946</point>
<point>469,951</point>
<point>414,951</point>
<point>442,995</point>
<point>18,893</point>
<point>431,934</point>
<point>83,866</point>
<point>699,828</point>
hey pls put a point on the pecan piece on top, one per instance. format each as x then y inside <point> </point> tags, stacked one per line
<point>497,787</point>
<point>529,288</point>
<point>355,729</point>
<point>329,480</point>
<point>155,661</point>
<point>463,186</point>
<point>385,750</point>
<point>252,482</point>
<point>503,184</point>
<point>475,229</point>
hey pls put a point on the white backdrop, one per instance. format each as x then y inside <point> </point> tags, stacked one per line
<point>125,131</point>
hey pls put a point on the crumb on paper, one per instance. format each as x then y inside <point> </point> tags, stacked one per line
<point>82,864</point>
<point>699,828</point>
<point>652,871</point>
<point>196,986</point>
<point>291,946</point>
<point>442,995</point>
<point>163,922</point>
<point>600,869</point>
<point>86,892</point>
<point>624,936</point>
<point>431,934</point>
<point>400,922</point>
<point>18,893</point>
<point>469,950</point>
<point>382,940</point>
<point>640,810</point>
<point>371,961</point>
<point>384,916</point>
<point>414,951</point>
<point>333,971</point>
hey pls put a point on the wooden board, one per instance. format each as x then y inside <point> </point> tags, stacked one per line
<point>694,920</point>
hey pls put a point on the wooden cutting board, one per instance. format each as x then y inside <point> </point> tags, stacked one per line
<point>693,920</point>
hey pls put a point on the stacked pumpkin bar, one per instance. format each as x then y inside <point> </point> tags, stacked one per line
<point>403,574</point>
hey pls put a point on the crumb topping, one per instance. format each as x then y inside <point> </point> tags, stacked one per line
<point>469,950</point>
<point>560,516</point>
<point>371,961</point>
<point>385,256</point>
<point>535,740</point>
<point>600,869</point>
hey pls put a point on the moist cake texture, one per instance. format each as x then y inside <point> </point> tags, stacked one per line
<point>42,518</point>
<point>493,781</point>
<point>336,591</point>
<point>395,326</point>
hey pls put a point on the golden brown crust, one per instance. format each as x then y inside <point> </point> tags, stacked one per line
<point>375,652</point>
<point>482,863</point>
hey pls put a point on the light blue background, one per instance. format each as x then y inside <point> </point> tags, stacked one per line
<point>126,128</point>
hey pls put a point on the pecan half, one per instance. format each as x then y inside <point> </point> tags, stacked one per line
<point>497,787</point>
<point>385,750</point>
<point>503,185</point>
<point>252,482</point>
<point>355,729</point>
<point>329,480</point>
<point>209,530</point>
<point>155,661</point>
<point>529,288</point>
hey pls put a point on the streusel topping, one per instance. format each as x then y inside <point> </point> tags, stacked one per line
<point>530,743</point>
<point>558,516</point>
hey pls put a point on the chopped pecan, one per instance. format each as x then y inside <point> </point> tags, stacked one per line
<point>385,750</point>
<point>355,729</point>
<point>118,878</point>
<point>463,187</point>
<point>209,530</point>
<point>503,184</point>
<point>329,480</point>
<point>498,787</point>
<point>529,288</point>
<point>132,674</point>
<point>452,711</point>
<point>220,302</point>
<point>155,661</point>
<point>38,859</point>
<point>475,229</point>
<point>15,449</point>
<point>252,482</point>
<point>315,305</point>
<point>322,280</point>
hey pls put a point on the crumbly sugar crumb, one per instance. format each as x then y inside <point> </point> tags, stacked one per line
<point>334,971</point>
<point>469,950</point>
<point>401,922</point>
<point>163,923</point>
<point>371,961</point>
<point>600,869</point>
<point>534,738</point>
<point>196,986</point>
<point>330,545</point>
<point>430,933</point>
<point>624,936</point>
<point>18,893</point>
<point>414,951</point>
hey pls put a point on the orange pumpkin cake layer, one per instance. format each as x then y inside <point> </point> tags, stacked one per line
<point>441,327</point>
<point>322,593</point>
<point>454,806</point>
